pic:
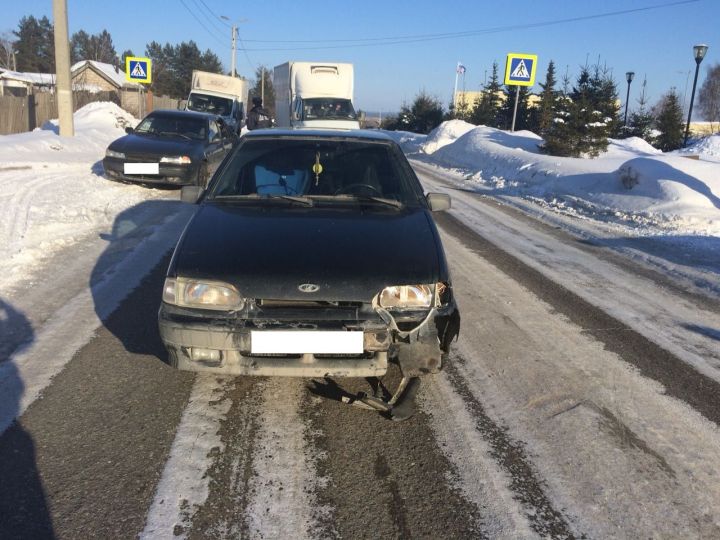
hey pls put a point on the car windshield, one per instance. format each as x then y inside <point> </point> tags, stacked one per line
<point>326,170</point>
<point>173,125</point>
<point>211,104</point>
<point>328,108</point>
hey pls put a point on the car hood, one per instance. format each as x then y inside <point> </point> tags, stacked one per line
<point>351,255</point>
<point>149,144</point>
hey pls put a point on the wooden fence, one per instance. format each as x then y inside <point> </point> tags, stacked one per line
<point>20,114</point>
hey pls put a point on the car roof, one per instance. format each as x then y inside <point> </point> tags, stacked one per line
<point>357,134</point>
<point>174,113</point>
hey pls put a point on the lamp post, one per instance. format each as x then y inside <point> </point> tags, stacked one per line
<point>630,75</point>
<point>699,52</point>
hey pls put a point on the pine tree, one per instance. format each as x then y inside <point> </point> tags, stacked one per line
<point>548,97</point>
<point>173,66</point>
<point>257,90</point>
<point>641,120</point>
<point>559,137</point>
<point>487,107</point>
<point>98,47</point>
<point>35,45</point>
<point>669,122</point>
<point>591,116</point>
<point>505,114</point>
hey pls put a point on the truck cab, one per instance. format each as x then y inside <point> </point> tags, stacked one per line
<point>228,107</point>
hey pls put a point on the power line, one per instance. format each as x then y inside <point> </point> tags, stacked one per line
<point>200,22</point>
<point>205,14</point>
<point>214,14</point>
<point>399,40</point>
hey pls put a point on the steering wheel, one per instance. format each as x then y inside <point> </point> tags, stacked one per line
<point>353,188</point>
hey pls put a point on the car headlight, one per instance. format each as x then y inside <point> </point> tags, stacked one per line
<point>407,296</point>
<point>176,160</point>
<point>113,153</point>
<point>202,294</point>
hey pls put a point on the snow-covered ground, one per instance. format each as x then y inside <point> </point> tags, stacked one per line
<point>52,193</point>
<point>632,185</point>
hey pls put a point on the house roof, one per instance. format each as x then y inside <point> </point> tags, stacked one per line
<point>38,79</point>
<point>114,75</point>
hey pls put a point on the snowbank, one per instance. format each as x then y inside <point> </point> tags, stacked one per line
<point>52,192</point>
<point>632,182</point>
<point>445,134</point>
<point>708,148</point>
<point>96,125</point>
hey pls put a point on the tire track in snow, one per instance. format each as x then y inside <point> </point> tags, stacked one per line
<point>482,480</point>
<point>17,210</point>
<point>184,484</point>
<point>528,488</point>
<point>240,465</point>
<point>283,504</point>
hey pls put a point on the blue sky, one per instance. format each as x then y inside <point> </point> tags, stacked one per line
<point>656,43</point>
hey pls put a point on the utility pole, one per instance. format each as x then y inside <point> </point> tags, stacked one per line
<point>63,82</point>
<point>262,84</point>
<point>234,47</point>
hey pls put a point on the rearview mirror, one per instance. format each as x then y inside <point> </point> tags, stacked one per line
<point>190,194</point>
<point>438,201</point>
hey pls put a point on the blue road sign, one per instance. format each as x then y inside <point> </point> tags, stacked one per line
<point>138,69</point>
<point>520,69</point>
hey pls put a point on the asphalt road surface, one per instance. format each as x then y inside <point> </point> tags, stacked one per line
<point>552,419</point>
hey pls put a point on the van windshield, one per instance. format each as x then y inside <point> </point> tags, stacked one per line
<point>210,104</point>
<point>328,108</point>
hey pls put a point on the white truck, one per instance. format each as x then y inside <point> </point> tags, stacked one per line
<point>219,94</point>
<point>314,95</point>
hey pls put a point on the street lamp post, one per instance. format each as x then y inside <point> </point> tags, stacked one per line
<point>629,76</point>
<point>699,52</point>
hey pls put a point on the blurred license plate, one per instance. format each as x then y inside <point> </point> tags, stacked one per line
<point>141,168</point>
<point>299,342</point>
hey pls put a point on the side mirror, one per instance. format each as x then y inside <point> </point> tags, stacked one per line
<point>296,116</point>
<point>190,194</point>
<point>438,201</point>
<point>129,130</point>
<point>361,116</point>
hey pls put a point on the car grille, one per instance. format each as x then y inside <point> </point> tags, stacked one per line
<point>267,303</point>
<point>142,158</point>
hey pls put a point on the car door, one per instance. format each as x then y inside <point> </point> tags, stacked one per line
<point>216,148</point>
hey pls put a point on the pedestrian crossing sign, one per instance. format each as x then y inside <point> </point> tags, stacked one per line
<point>520,69</point>
<point>138,69</point>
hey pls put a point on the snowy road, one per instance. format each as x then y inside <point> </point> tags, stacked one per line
<point>582,399</point>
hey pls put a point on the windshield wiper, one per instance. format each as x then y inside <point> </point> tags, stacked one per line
<point>367,198</point>
<point>305,201</point>
<point>295,198</point>
<point>175,134</point>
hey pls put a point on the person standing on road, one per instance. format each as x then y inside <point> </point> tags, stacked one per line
<point>258,117</point>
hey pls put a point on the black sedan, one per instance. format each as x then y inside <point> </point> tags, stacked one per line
<point>169,147</point>
<point>312,254</point>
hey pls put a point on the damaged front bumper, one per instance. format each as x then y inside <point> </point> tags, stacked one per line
<point>199,340</point>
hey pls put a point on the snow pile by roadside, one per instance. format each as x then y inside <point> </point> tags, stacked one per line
<point>96,125</point>
<point>446,133</point>
<point>708,148</point>
<point>52,194</point>
<point>631,183</point>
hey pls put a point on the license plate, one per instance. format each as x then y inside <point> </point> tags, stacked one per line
<point>141,168</point>
<point>300,342</point>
